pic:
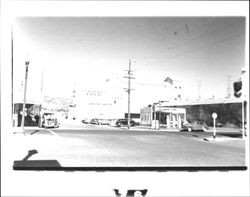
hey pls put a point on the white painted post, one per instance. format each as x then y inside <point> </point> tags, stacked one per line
<point>168,121</point>
<point>214,115</point>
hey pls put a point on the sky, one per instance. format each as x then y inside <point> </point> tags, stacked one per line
<point>84,52</point>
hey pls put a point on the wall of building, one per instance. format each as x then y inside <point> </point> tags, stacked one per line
<point>146,116</point>
<point>228,114</point>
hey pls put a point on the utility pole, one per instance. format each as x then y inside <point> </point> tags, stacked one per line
<point>128,90</point>
<point>24,96</point>
<point>159,116</point>
<point>244,89</point>
<point>12,77</point>
<point>199,89</point>
<point>42,83</point>
<point>229,82</point>
<point>42,101</point>
<point>74,102</point>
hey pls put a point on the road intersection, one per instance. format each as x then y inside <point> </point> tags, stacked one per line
<point>95,145</point>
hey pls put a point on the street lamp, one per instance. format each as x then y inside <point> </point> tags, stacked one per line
<point>24,96</point>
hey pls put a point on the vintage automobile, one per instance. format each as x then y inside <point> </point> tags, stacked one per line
<point>86,121</point>
<point>49,120</point>
<point>94,121</point>
<point>195,126</point>
<point>123,122</point>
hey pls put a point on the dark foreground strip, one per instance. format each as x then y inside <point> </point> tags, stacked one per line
<point>54,165</point>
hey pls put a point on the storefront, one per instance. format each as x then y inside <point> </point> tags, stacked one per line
<point>32,114</point>
<point>167,117</point>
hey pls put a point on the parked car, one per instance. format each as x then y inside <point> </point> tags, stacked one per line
<point>195,126</point>
<point>103,121</point>
<point>86,121</point>
<point>219,124</point>
<point>94,121</point>
<point>124,122</point>
<point>49,120</point>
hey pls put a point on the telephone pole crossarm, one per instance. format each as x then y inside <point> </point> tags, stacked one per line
<point>129,77</point>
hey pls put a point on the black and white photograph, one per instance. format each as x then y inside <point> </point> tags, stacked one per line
<point>129,95</point>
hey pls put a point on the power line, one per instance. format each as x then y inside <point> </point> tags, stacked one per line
<point>197,48</point>
<point>200,36</point>
<point>205,34</point>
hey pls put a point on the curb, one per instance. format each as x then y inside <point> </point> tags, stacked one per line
<point>219,139</point>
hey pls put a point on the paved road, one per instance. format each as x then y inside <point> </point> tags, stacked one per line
<point>106,146</point>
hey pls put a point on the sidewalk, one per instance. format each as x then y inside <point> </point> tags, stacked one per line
<point>220,138</point>
<point>18,130</point>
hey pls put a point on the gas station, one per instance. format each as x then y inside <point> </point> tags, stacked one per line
<point>163,117</point>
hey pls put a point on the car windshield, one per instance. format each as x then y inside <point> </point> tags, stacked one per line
<point>124,90</point>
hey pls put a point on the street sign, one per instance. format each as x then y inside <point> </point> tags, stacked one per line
<point>214,115</point>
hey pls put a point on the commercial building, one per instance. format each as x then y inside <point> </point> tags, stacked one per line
<point>229,110</point>
<point>31,115</point>
<point>163,116</point>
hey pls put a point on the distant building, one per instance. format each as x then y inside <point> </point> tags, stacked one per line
<point>109,101</point>
<point>94,103</point>
<point>103,102</point>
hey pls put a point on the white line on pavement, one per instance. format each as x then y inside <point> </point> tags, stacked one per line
<point>52,132</point>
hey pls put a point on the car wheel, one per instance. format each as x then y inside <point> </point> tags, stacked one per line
<point>189,129</point>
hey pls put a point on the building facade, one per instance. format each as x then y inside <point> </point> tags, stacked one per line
<point>163,116</point>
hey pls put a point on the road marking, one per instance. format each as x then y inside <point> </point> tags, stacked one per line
<point>52,132</point>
